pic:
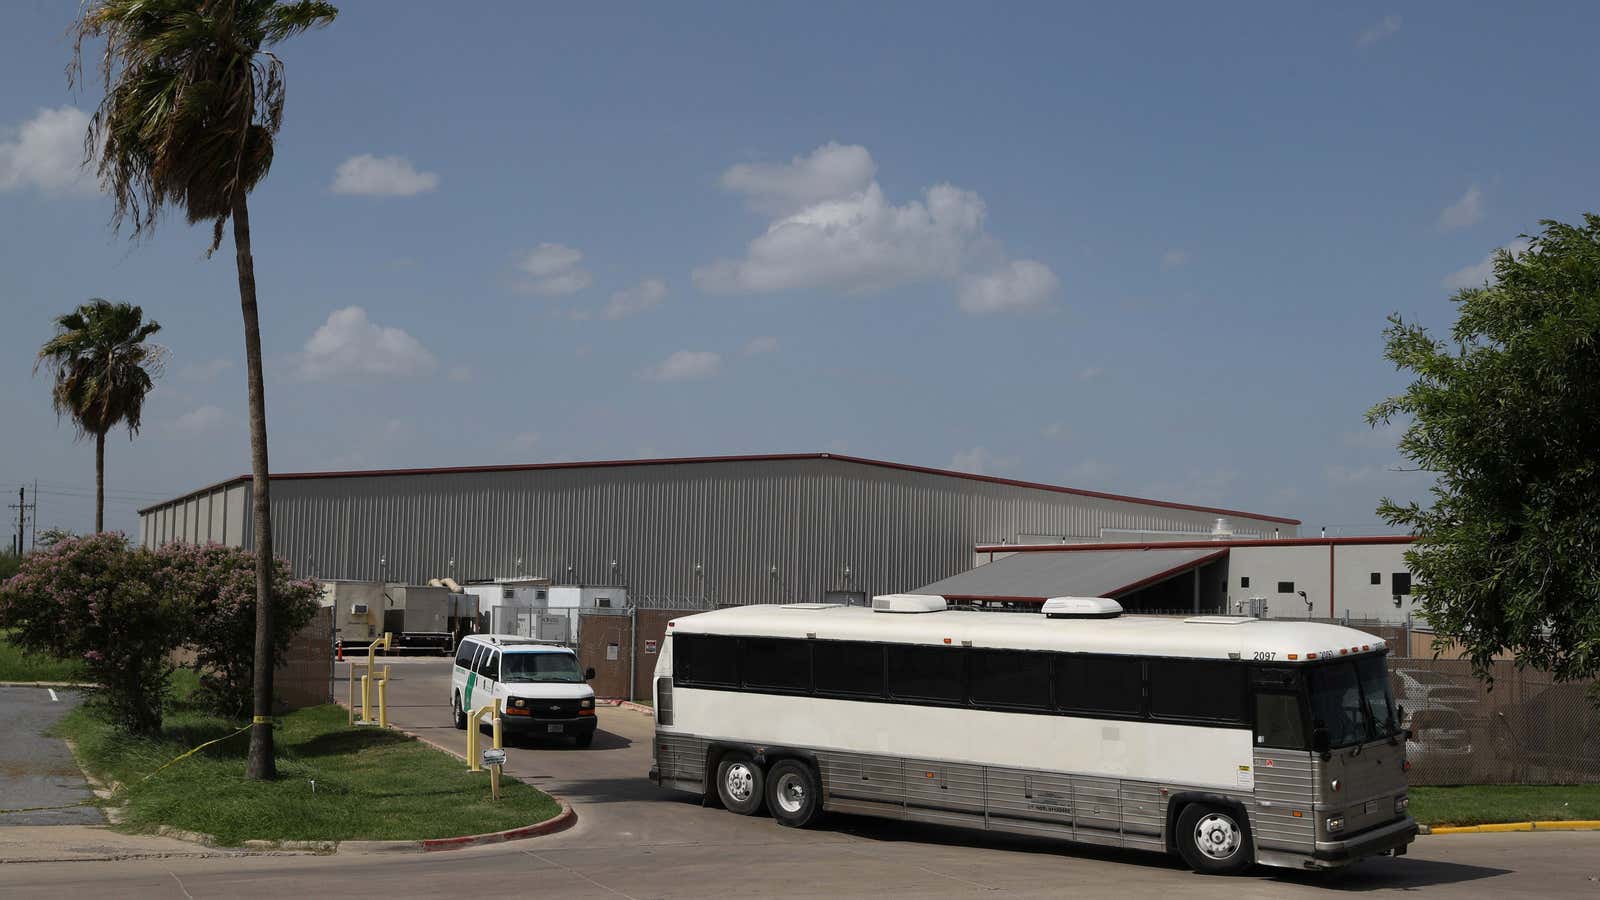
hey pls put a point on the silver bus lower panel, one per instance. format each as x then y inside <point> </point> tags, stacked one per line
<point>1077,807</point>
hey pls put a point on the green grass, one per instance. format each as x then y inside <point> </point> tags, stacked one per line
<point>370,784</point>
<point>1487,803</point>
<point>17,664</point>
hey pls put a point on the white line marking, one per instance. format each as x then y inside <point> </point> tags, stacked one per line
<point>53,697</point>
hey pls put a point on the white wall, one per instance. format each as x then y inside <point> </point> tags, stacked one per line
<point>1353,588</point>
<point>1351,591</point>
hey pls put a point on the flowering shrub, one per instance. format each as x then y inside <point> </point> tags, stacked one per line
<point>99,600</point>
<point>217,586</point>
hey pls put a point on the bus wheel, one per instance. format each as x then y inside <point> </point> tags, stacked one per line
<point>1214,840</point>
<point>792,795</point>
<point>739,784</point>
<point>458,713</point>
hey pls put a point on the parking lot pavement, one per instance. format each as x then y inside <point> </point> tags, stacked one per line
<point>36,770</point>
<point>635,840</point>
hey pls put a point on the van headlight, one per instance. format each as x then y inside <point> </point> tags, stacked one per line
<point>519,703</point>
<point>586,703</point>
<point>1335,823</point>
<point>1402,803</point>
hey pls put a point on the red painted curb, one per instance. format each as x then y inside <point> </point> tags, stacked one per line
<point>560,822</point>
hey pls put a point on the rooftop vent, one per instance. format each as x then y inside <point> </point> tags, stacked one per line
<point>1082,608</point>
<point>908,603</point>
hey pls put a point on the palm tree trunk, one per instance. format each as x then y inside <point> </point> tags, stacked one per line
<point>99,482</point>
<point>262,765</point>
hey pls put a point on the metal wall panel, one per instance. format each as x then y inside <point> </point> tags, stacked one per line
<point>731,531</point>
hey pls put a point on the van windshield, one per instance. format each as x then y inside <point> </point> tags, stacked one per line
<point>559,668</point>
<point>1352,700</point>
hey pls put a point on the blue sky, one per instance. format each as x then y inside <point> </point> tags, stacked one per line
<point>1146,249</point>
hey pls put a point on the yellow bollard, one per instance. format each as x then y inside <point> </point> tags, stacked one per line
<point>366,694</point>
<point>350,685</point>
<point>494,771</point>
<point>383,699</point>
<point>474,759</point>
<point>497,744</point>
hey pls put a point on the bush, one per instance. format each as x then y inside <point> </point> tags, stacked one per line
<point>99,600</point>
<point>217,585</point>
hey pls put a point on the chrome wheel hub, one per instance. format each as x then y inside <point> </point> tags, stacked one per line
<point>741,782</point>
<point>791,794</point>
<point>1218,836</point>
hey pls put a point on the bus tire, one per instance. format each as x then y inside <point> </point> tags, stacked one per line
<point>792,794</point>
<point>740,784</point>
<point>1214,839</point>
<point>456,712</point>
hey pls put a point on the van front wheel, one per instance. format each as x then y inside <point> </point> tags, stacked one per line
<point>459,714</point>
<point>740,784</point>
<point>1214,840</point>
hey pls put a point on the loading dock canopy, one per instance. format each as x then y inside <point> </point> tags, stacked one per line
<point>1035,577</point>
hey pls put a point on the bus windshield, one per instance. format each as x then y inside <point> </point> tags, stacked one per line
<point>560,668</point>
<point>1352,700</point>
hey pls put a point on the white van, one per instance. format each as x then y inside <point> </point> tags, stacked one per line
<point>539,685</point>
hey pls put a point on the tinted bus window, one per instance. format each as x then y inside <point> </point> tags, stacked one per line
<point>1009,678</point>
<point>1206,690</point>
<point>1100,684</point>
<point>926,673</point>
<point>705,659</point>
<point>776,663</point>
<point>1279,723</point>
<point>847,668</point>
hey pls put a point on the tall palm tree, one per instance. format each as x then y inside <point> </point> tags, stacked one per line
<point>102,365</point>
<point>193,102</point>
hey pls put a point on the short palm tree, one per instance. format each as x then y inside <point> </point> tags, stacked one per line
<point>193,102</point>
<point>102,365</point>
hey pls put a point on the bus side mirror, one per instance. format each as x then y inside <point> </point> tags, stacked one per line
<point>1319,742</point>
<point>588,674</point>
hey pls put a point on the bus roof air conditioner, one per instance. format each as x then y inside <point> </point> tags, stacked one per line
<point>908,603</point>
<point>1082,608</point>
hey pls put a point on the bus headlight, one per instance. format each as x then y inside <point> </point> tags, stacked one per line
<point>1402,803</point>
<point>1335,823</point>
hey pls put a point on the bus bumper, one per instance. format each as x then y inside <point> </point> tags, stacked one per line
<point>1384,839</point>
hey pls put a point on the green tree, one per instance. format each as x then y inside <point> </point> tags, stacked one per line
<point>193,100</point>
<point>102,365</point>
<point>1506,413</point>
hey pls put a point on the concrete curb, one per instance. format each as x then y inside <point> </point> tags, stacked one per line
<point>1503,827</point>
<point>629,704</point>
<point>70,685</point>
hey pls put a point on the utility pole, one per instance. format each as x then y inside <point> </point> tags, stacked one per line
<point>21,506</point>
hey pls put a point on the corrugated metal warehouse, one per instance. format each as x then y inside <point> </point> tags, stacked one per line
<point>744,529</point>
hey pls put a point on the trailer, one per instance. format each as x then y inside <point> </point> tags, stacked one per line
<point>422,618</point>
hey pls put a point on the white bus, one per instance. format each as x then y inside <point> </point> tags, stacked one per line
<point>1226,740</point>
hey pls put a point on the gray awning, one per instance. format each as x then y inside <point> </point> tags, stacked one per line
<point>1039,574</point>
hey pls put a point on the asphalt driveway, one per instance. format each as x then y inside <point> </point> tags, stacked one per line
<point>36,770</point>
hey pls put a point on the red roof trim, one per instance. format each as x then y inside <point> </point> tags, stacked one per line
<point>1169,573</point>
<point>1178,545</point>
<point>768,457</point>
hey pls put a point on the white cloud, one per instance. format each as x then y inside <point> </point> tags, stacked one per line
<point>642,297</point>
<point>47,153</point>
<point>1197,486</point>
<point>1055,430</point>
<point>525,440</point>
<point>1383,436</point>
<point>206,370</point>
<point>1385,28</point>
<point>831,172</point>
<point>348,345</point>
<point>1466,211</point>
<point>1023,284</point>
<point>835,230</point>
<point>1173,259</point>
<point>381,176</point>
<point>553,271</point>
<point>1090,470</point>
<point>1091,373</point>
<point>399,429</point>
<point>200,420</point>
<point>759,345</point>
<point>459,374</point>
<point>685,365</point>
<point>1482,272</point>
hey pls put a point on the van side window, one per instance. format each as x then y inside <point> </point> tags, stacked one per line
<point>464,655</point>
<point>489,665</point>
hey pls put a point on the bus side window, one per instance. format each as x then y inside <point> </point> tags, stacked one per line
<point>847,668</point>
<point>1279,723</point>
